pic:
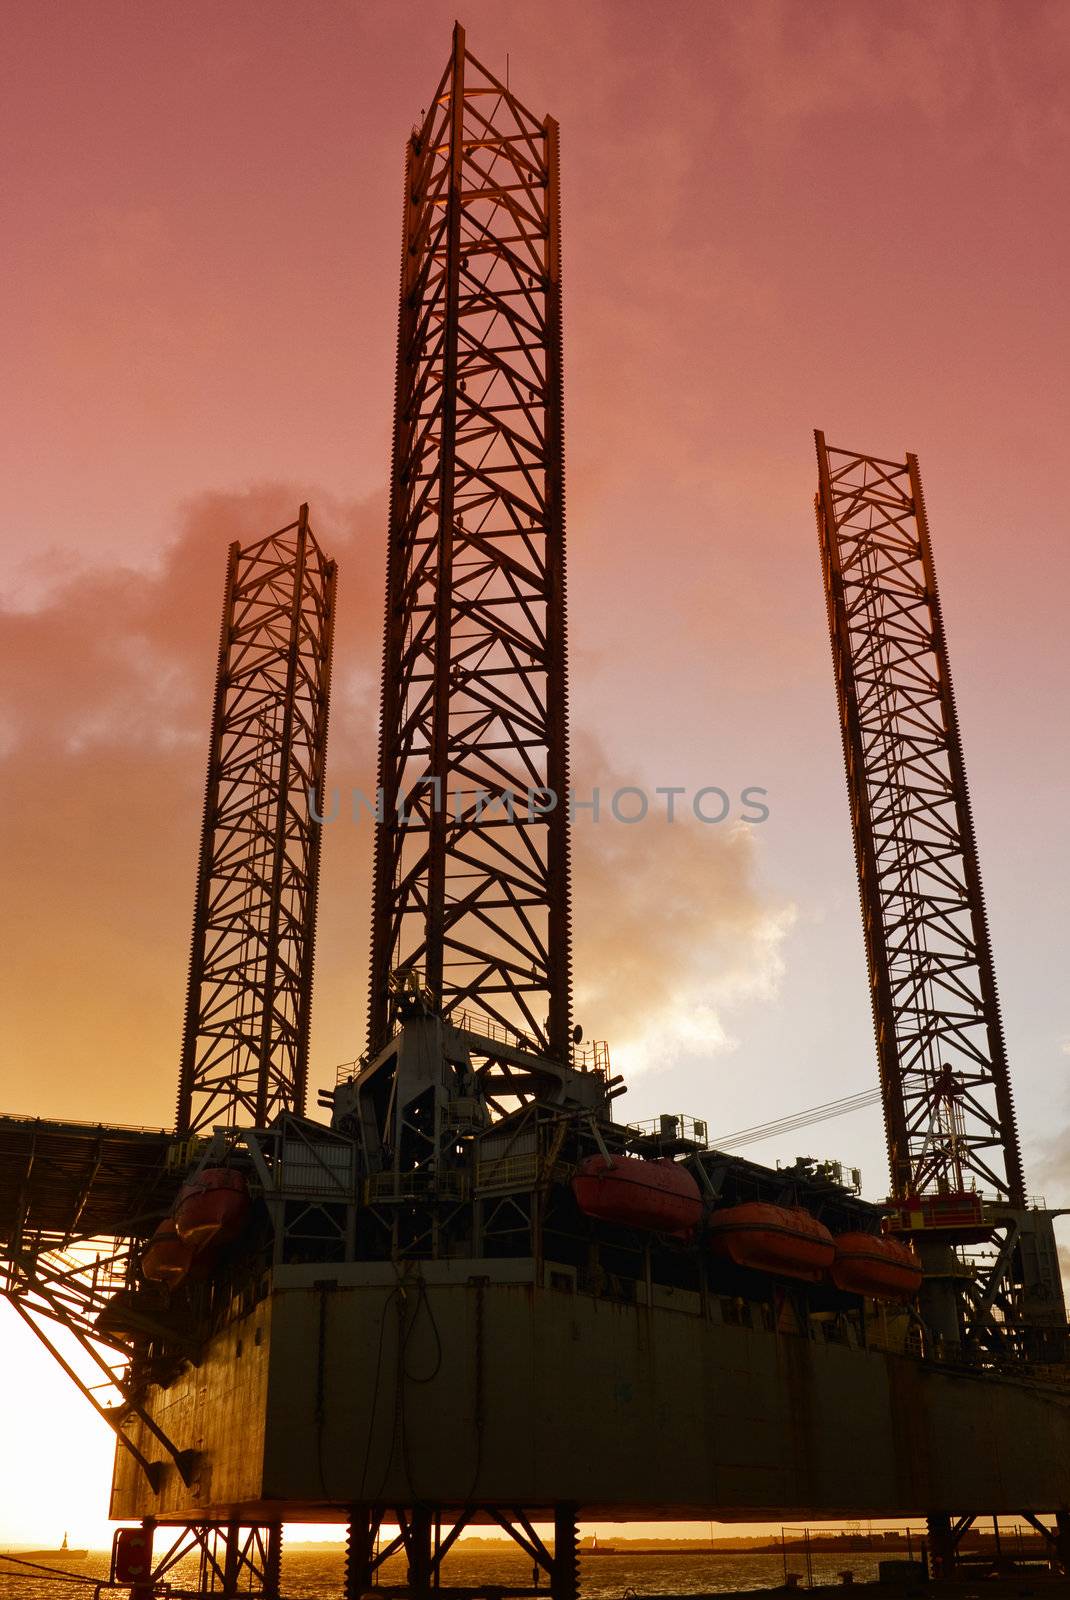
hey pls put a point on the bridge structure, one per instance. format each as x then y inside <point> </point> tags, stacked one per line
<point>407,1315</point>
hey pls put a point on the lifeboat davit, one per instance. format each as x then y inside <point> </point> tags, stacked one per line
<point>884,1269</point>
<point>660,1195</point>
<point>212,1208</point>
<point>166,1258</point>
<point>784,1240</point>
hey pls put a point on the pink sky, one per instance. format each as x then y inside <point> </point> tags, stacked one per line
<point>776,216</point>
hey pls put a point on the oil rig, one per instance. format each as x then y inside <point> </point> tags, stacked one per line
<point>465,1292</point>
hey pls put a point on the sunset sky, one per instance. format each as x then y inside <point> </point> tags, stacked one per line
<point>776,216</point>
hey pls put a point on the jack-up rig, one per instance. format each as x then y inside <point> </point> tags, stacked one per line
<point>472,1295</point>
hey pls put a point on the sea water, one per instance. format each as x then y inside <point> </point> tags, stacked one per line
<point>317,1574</point>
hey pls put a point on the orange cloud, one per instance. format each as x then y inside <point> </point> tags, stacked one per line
<point>107,699</point>
<point>671,927</point>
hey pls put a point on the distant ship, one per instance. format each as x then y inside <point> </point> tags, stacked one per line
<point>64,1553</point>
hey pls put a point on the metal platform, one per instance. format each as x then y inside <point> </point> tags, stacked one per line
<point>416,1316</point>
<point>473,1383</point>
<point>64,1179</point>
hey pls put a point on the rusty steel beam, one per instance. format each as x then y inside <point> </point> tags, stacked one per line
<point>83,1287</point>
<point>471,882</point>
<point>946,1089</point>
<point>245,1040</point>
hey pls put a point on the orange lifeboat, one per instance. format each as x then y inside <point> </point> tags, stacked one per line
<point>882,1268</point>
<point>212,1208</point>
<point>783,1240</point>
<point>166,1258</point>
<point>660,1195</point>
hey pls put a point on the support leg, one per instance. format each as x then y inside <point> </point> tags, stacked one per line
<point>273,1562</point>
<point>231,1560</point>
<point>420,1532</point>
<point>1062,1540</point>
<point>941,1547</point>
<point>360,1552</point>
<point>565,1578</point>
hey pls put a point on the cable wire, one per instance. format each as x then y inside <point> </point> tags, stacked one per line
<point>798,1119</point>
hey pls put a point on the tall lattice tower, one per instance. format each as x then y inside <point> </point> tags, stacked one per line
<point>992,1285</point>
<point>245,1041</point>
<point>471,883</point>
<point>943,1064</point>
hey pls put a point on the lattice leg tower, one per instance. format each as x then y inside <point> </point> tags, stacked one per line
<point>245,1041</point>
<point>471,884</point>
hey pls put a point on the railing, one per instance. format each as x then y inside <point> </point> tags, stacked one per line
<point>590,1057</point>
<point>180,1154</point>
<point>894,1334</point>
<point>486,1028</point>
<point>671,1129</point>
<point>57,1123</point>
<point>827,1171</point>
<point>508,1172</point>
<point>349,1069</point>
<point>417,1185</point>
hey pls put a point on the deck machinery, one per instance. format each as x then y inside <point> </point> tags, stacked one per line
<point>417,1326</point>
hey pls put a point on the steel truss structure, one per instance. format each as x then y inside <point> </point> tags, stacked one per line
<point>945,1535</point>
<point>74,1295</point>
<point>992,1289</point>
<point>245,1041</point>
<point>231,1558</point>
<point>948,1109</point>
<point>426,1543</point>
<point>471,885</point>
<point>440,1203</point>
<point>76,1201</point>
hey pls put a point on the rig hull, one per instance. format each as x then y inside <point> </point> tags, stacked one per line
<point>508,1392</point>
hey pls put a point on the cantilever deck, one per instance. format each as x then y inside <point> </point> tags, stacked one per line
<point>86,1178</point>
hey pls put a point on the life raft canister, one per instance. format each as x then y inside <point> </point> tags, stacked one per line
<point>212,1208</point>
<point>784,1240</point>
<point>884,1269</point>
<point>660,1195</point>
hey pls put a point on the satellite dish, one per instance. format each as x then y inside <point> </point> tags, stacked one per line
<point>577,1034</point>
